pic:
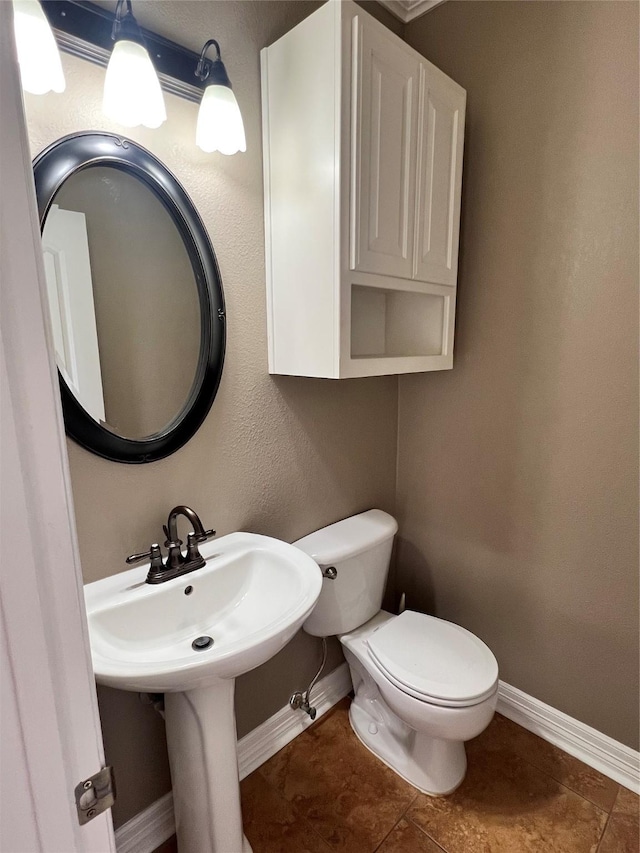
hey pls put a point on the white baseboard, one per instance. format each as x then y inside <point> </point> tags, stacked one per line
<point>151,827</point>
<point>599,751</point>
<point>148,829</point>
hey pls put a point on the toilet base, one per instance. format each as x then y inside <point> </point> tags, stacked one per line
<point>432,765</point>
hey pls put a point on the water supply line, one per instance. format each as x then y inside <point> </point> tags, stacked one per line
<point>153,700</point>
<point>300,701</point>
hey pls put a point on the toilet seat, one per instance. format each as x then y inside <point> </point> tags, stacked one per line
<point>433,660</point>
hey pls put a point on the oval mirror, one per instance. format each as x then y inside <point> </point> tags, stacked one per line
<point>135,295</point>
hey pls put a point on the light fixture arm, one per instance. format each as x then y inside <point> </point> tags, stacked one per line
<point>213,72</point>
<point>125,25</point>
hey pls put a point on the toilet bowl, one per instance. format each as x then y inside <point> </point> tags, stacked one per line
<point>422,685</point>
<point>420,737</point>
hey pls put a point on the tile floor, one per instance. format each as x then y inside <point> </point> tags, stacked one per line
<point>325,792</point>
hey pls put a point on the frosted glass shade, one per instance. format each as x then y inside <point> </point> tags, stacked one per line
<point>38,54</point>
<point>220,127</point>
<point>132,93</point>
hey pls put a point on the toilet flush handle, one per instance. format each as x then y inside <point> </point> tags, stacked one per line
<point>330,573</point>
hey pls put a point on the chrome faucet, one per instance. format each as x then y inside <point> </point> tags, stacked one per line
<point>177,563</point>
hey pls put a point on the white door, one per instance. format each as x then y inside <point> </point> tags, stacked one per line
<point>384,101</point>
<point>67,269</point>
<point>49,723</point>
<point>442,106</point>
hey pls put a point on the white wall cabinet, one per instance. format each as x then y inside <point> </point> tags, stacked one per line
<point>363,143</point>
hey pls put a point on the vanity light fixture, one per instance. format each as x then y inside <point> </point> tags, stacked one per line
<point>141,64</point>
<point>132,93</point>
<point>38,55</point>
<point>220,126</point>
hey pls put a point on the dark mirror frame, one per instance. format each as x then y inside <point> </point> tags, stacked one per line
<point>51,168</point>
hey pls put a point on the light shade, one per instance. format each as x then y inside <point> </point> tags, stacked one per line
<point>132,93</point>
<point>38,54</point>
<point>220,126</point>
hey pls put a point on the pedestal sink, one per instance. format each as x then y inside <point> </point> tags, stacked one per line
<point>249,599</point>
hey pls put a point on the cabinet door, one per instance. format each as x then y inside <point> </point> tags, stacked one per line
<point>384,121</point>
<point>442,106</point>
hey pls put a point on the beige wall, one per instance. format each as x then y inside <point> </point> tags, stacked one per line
<point>280,456</point>
<point>517,479</point>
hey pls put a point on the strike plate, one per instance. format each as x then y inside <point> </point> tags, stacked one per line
<point>95,795</point>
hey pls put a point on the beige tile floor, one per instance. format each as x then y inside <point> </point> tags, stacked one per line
<point>325,792</point>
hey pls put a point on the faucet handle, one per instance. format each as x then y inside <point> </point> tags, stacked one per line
<point>154,555</point>
<point>193,540</point>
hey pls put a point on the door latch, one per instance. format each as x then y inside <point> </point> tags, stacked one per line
<point>95,795</point>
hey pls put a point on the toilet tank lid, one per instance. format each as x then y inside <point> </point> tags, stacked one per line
<point>349,537</point>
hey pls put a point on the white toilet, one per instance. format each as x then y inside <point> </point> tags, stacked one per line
<point>422,685</point>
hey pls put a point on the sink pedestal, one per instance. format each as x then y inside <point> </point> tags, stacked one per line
<point>201,738</point>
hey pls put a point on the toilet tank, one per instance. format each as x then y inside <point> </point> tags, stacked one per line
<point>359,548</point>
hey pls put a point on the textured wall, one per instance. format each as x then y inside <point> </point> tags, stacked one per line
<point>518,492</point>
<point>280,456</point>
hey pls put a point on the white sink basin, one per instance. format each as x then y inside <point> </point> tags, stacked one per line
<point>250,598</point>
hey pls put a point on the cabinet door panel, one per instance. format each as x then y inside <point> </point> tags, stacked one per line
<point>385,121</point>
<point>440,179</point>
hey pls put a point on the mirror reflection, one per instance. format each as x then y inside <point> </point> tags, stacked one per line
<point>124,303</point>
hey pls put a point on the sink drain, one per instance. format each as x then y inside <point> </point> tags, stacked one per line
<point>202,643</point>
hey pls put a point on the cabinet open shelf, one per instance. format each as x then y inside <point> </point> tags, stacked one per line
<point>396,323</point>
